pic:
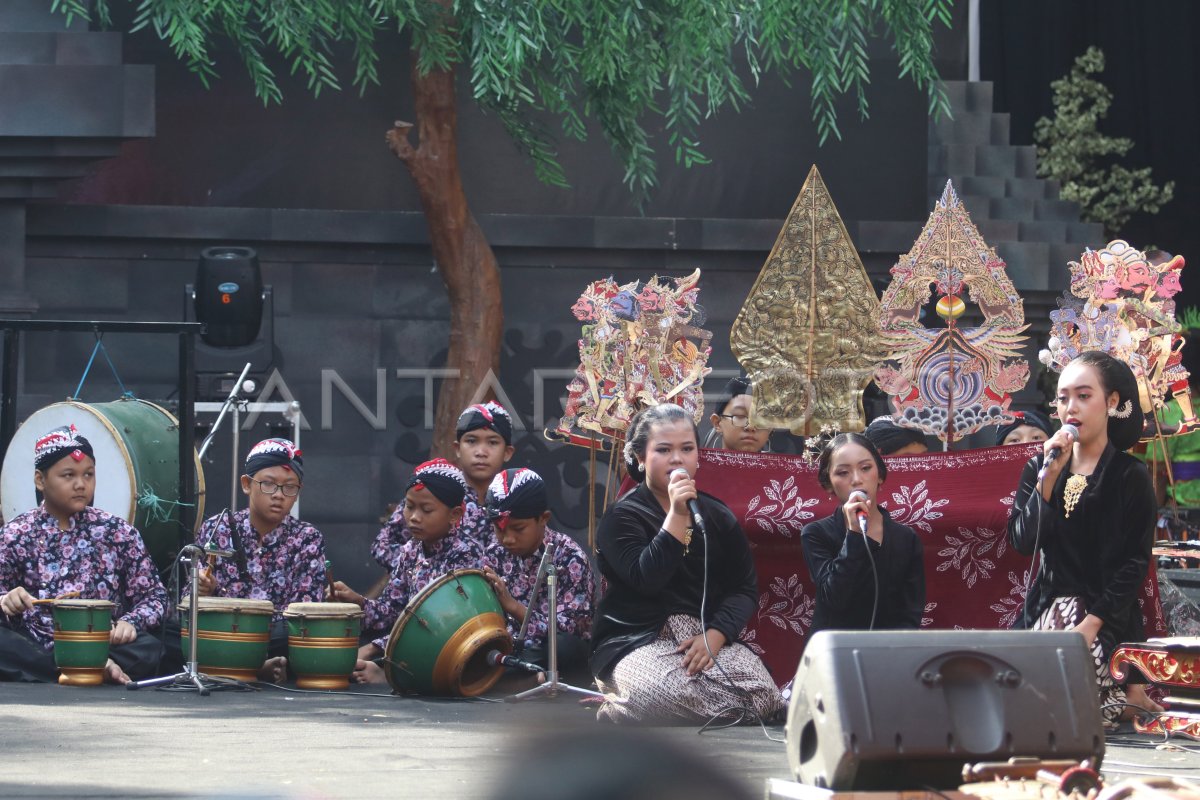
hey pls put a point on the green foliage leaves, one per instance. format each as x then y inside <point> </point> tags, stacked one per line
<point>1072,150</point>
<point>638,68</point>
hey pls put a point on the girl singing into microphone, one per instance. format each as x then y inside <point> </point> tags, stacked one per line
<point>871,582</point>
<point>1090,519</point>
<point>664,641</point>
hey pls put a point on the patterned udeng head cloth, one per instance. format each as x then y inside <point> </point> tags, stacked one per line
<point>489,415</point>
<point>57,445</point>
<point>1031,418</point>
<point>441,479</point>
<point>516,493</point>
<point>275,453</point>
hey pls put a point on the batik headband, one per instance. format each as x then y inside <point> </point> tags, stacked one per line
<point>516,493</point>
<point>489,415</point>
<point>275,453</point>
<point>441,479</point>
<point>57,445</point>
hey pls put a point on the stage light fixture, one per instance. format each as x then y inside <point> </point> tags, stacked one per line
<point>229,296</point>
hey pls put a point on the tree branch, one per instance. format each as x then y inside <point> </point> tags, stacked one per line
<point>397,140</point>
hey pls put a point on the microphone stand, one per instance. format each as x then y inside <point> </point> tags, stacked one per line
<point>548,574</point>
<point>229,401</point>
<point>192,679</point>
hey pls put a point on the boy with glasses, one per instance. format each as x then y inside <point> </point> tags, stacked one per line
<point>276,556</point>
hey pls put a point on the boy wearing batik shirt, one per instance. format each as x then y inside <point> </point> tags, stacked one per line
<point>482,446</point>
<point>433,509</point>
<point>276,556</point>
<point>517,506</point>
<point>63,546</point>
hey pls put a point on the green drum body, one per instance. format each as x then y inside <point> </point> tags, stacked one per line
<point>233,636</point>
<point>137,467</point>
<point>81,632</point>
<point>439,645</point>
<point>323,643</point>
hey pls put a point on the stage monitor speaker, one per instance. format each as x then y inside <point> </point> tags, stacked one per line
<point>900,710</point>
<point>229,296</point>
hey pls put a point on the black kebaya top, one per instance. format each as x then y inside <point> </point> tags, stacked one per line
<point>1100,553</point>
<point>840,568</point>
<point>650,577</point>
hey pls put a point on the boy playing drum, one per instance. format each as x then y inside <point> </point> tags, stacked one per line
<point>65,546</point>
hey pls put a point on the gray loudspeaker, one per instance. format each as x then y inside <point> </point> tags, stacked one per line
<point>907,709</point>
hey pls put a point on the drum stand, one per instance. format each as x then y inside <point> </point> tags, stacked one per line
<point>548,574</point>
<point>192,679</point>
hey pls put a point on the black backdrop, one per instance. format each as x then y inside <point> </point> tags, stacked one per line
<point>1153,71</point>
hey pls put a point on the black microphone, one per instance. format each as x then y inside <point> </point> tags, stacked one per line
<point>855,496</point>
<point>693,506</point>
<point>495,658</point>
<point>1055,452</point>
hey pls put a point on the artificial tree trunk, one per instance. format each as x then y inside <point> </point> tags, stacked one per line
<point>460,251</point>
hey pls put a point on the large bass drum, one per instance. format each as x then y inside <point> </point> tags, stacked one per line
<point>137,467</point>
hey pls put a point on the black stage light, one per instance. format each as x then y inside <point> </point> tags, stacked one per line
<point>229,296</point>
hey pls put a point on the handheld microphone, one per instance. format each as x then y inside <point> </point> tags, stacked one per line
<point>693,506</point>
<point>855,496</point>
<point>1055,452</point>
<point>496,659</point>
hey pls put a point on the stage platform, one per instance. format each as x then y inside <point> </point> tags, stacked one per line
<point>109,742</point>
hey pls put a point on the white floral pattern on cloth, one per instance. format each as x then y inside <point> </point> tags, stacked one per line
<point>576,588</point>
<point>911,506</point>
<point>781,509</point>
<point>1011,605</point>
<point>936,494</point>
<point>101,556</point>
<point>288,566</point>
<point>974,553</point>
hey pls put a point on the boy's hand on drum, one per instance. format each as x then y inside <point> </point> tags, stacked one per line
<point>695,653</point>
<point>507,601</point>
<point>207,586</point>
<point>122,633</point>
<point>341,593</point>
<point>16,602</point>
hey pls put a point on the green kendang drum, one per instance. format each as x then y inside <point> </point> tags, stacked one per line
<point>323,643</point>
<point>137,466</point>
<point>81,632</point>
<point>233,634</point>
<point>439,645</point>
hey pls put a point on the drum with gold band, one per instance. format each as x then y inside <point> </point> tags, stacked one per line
<point>233,635</point>
<point>323,643</point>
<point>439,645</point>
<point>81,634</point>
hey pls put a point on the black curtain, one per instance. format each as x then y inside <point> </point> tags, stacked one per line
<point>1152,69</point>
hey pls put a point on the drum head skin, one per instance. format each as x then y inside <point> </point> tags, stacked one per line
<point>230,604</point>
<point>83,604</point>
<point>331,610</point>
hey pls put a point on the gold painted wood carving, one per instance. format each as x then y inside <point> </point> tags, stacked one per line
<point>951,381</point>
<point>808,333</point>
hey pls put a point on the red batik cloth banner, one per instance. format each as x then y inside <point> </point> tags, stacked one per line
<point>958,504</point>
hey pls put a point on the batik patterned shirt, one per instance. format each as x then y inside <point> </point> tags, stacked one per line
<point>99,555</point>
<point>576,587</point>
<point>394,533</point>
<point>288,566</point>
<point>417,565</point>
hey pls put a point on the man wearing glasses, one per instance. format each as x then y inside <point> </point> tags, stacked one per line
<point>276,556</point>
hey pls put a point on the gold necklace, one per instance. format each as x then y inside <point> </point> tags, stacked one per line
<point>687,540</point>
<point>1072,492</point>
